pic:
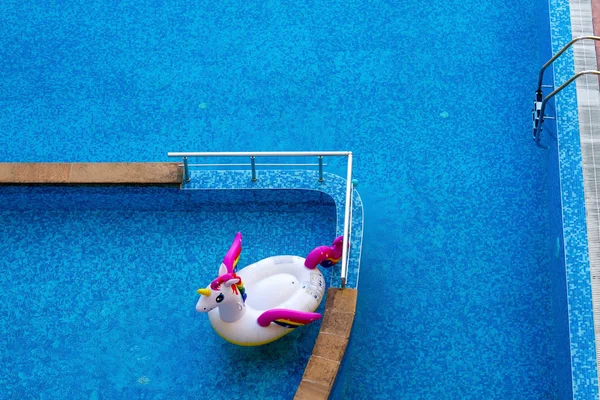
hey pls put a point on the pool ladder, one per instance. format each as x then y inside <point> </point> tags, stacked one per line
<point>539,104</point>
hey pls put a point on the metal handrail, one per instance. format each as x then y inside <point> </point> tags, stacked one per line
<point>347,221</point>
<point>539,120</point>
<point>572,42</point>
<point>539,104</point>
<point>248,165</point>
<point>260,154</point>
<point>319,154</point>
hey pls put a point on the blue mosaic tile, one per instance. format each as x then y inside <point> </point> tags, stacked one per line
<point>153,198</point>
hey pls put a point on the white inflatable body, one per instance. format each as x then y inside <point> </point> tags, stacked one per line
<point>279,282</point>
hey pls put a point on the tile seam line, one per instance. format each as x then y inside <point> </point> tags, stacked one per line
<point>331,334</point>
<point>333,310</point>
<point>325,358</point>
<point>70,177</point>
<point>315,382</point>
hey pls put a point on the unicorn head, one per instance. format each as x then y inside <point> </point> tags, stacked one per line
<point>227,291</point>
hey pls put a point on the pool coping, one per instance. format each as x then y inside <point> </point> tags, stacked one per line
<point>90,173</point>
<point>330,346</point>
<point>340,305</point>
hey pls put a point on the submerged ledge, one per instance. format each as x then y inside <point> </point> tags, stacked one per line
<point>170,173</point>
<point>333,186</point>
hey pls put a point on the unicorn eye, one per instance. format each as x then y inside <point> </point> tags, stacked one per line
<point>220,298</point>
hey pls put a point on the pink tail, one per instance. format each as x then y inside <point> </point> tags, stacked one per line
<point>287,318</point>
<point>327,256</point>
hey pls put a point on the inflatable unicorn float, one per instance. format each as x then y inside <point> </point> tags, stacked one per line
<point>268,299</point>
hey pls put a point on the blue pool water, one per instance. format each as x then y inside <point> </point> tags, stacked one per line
<point>432,97</point>
<point>97,298</point>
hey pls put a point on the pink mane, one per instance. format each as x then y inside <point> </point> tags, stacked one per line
<point>230,262</point>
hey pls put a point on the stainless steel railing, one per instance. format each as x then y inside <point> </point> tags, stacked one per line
<point>554,57</point>
<point>253,155</point>
<point>539,104</point>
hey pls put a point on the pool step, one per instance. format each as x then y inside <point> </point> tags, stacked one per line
<point>329,349</point>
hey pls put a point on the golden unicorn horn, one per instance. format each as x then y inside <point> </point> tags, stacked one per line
<point>203,292</point>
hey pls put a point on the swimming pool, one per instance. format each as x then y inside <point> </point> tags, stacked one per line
<point>436,112</point>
